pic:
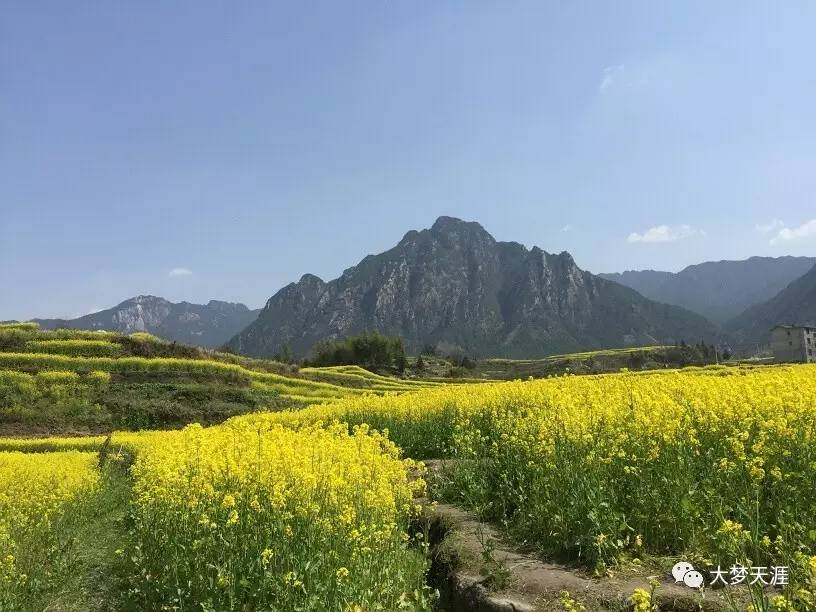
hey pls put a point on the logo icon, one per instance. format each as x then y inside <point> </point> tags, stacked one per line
<point>684,572</point>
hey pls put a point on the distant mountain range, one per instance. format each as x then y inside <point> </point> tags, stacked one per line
<point>456,287</point>
<point>718,290</point>
<point>207,325</point>
<point>795,304</point>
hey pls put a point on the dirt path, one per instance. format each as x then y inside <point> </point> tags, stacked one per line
<point>475,567</point>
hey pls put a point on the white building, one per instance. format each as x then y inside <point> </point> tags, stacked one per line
<point>793,343</point>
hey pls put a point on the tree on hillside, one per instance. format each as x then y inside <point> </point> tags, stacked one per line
<point>371,350</point>
<point>285,354</point>
<point>400,362</point>
<point>420,363</point>
<point>428,349</point>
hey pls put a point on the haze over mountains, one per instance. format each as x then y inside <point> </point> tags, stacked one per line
<point>455,286</point>
<point>796,304</point>
<point>718,290</point>
<point>209,325</point>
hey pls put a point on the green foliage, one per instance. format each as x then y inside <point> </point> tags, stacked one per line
<point>285,355</point>
<point>96,381</point>
<point>14,339</point>
<point>420,363</point>
<point>77,348</point>
<point>125,365</point>
<point>78,334</point>
<point>371,350</point>
<point>22,325</point>
<point>256,365</point>
<point>146,337</point>
<point>600,361</point>
<point>145,345</point>
<point>52,444</point>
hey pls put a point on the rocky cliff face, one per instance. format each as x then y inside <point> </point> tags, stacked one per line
<point>208,325</point>
<point>454,285</point>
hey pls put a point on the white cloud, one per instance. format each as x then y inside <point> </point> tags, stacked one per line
<point>767,228</point>
<point>179,272</point>
<point>665,233</point>
<point>610,75</point>
<point>566,228</point>
<point>787,234</point>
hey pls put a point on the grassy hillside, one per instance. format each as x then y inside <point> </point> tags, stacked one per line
<point>72,380</point>
<point>592,362</point>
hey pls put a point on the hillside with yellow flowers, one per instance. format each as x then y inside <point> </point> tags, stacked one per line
<point>312,508</point>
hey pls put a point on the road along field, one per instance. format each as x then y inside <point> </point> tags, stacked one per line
<point>714,466</point>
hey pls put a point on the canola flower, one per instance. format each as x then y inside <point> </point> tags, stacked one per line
<point>35,491</point>
<point>641,600</point>
<point>679,462</point>
<point>256,516</point>
<point>285,510</point>
<point>715,461</point>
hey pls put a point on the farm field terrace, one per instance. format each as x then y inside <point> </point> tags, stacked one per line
<point>596,362</point>
<point>88,381</point>
<point>712,465</point>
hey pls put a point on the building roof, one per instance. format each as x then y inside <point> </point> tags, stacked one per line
<point>809,327</point>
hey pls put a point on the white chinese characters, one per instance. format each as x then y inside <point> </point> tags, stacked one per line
<point>775,575</point>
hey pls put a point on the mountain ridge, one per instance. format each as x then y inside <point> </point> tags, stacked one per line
<point>718,290</point>
<point>455,286</point>
<point>794,305</point>
<point>208,325</point>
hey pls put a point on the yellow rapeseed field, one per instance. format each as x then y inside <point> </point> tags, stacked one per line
<point>36,490</point>
<point>257,517</point>
<point>309,509</point>
<point>717,464</point>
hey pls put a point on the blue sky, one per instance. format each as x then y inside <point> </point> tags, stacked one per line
<point>221,150</point>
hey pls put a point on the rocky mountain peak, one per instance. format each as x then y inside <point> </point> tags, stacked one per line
<point>224,306</point>
<point>455,285</point>
<point>144,300</point>
<point>453,229</point>
<point>310,279</point>
<point>209,325</point>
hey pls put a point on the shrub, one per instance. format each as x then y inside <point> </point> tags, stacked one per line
<point>371,350</point>
<point>23,325</point>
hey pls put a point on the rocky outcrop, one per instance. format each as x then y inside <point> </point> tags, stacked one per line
<point>207,325</point>
<point>455,286</point>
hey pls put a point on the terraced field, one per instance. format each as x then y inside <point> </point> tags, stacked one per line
<point>592,362</point>
<point>69,380</point>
